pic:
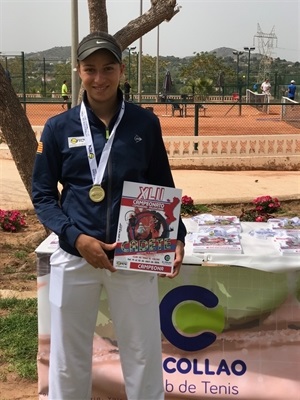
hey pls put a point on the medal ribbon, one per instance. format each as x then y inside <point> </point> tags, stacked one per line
<point>97,172</point>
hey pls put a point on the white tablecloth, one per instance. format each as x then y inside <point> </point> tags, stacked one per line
<point>255,322</point>
<point>257,253</point>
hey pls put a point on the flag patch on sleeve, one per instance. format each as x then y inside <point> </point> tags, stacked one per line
<point>39,149</point>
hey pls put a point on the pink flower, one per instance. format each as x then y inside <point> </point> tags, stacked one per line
<point>187,205</point>
<point>187,201</point>
<point>260,218</point>
<point>264,206</point>
<point>11,221</point>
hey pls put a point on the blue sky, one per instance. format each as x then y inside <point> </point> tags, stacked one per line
<point>200,25</point>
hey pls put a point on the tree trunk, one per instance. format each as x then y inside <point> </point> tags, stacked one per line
<point>17,131</point>
<point>98,15</point>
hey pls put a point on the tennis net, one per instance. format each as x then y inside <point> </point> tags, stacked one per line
<point>290,111</point>
<point>259,100</point>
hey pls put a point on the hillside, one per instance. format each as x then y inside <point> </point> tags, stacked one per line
<point>56,53</point>
<point>224,52</point>
<point>64,53</point>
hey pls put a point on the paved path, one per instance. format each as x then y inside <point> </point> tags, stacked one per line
<point>237,186</point>
<point>203,186</point>
<point>13,194</point>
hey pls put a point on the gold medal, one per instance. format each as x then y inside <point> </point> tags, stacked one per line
<point>96,193</point>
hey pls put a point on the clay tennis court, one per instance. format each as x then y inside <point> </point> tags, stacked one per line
<point>220,119</point>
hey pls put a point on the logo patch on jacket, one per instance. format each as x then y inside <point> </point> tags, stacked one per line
<point>137,138</point>
<point>76,141</point>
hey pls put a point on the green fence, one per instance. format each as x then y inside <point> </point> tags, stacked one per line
<point>210,118</point>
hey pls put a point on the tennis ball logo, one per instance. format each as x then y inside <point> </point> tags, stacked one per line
<point>191,317</point>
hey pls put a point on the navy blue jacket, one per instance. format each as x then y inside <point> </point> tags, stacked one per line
<point>137,155</point>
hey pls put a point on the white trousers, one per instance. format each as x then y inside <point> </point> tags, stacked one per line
<point>75,288</point>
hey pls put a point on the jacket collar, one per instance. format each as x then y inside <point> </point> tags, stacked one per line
<point>91,114</point>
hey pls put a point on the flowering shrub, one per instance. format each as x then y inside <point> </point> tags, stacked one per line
<point>261,211</point>
<point>187,205</point>
<point>263,207</point>
<point>12,221</point>
<point>266,205</point>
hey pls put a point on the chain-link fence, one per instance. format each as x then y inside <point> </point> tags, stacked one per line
<point>33,77</point>
<point>206,119</point>
<point>36,78</point>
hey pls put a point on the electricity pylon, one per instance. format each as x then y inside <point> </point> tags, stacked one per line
<point>266,42</point>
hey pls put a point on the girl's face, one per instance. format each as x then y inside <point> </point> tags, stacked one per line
<point>100,74</point>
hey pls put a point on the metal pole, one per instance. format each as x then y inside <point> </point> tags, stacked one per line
<point>157,66</point>
<point>140,60</point>
<point>248,78</point>
<point>24,77</point>
<point>129,62</point>
<point>238,54</point>
<point>44,66</point>
<point>74,75</point>
<point>240,100</point>
<point>238,82</point>
<point>196,120</point>
<point>237,69</point>
<point>249,49</point>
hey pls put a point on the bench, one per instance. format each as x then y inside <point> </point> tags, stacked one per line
<point>177,107</point>
<point>201,108</point>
